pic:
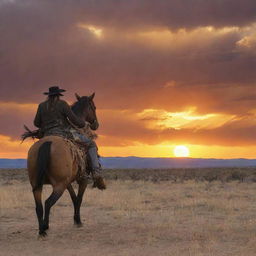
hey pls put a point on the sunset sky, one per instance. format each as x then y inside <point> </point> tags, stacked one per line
<point>165,72</point>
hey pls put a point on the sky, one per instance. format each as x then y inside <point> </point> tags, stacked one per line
<point>165,72</point>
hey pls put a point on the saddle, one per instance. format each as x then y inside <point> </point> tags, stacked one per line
<point>78,150</point>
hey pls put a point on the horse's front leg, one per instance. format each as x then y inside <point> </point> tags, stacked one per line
<point>82,186</point>
<point>74,199</point>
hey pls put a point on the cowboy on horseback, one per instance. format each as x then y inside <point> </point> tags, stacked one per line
<point>55,117</point>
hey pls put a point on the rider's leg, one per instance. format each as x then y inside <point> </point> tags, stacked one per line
<point>93,161</point>
<point>93,157</point>
<point>95,166</point>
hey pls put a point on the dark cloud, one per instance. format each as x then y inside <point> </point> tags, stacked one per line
<point>41,45</point>
<point>13,117</point>
<point>173,13</point>
<point>145,13</point>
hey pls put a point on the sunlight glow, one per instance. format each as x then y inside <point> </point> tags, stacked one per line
<point>181,37</point>
<point>14,106</point>
<point>181,151</point>
<point>247,41</point>
<point>185,119</point>
<point>11,148</point>
<point>98,32</point>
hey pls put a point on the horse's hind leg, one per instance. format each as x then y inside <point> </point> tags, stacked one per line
<point>51,200</point>
<point>39,210</point>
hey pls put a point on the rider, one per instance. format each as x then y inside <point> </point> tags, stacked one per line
<point>53,117</point>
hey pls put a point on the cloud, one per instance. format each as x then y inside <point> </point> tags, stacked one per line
<point>164,55</point>
<point>127,129</point>
<point>147,13</point>
<point>41,47</point>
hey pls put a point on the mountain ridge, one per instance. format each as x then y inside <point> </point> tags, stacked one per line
<point>133,162</point>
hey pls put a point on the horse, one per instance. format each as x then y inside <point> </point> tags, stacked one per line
<point>50,161</point>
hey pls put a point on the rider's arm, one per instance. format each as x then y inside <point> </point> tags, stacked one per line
<point>75,120</point>
<point>37,120</point>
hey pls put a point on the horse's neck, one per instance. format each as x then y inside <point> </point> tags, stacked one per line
<point>76,112</point>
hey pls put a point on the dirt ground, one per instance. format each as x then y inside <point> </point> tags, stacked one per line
<point>134,217</point>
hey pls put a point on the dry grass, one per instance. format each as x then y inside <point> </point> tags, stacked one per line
<point>136,218</point>
<point>180,175</point>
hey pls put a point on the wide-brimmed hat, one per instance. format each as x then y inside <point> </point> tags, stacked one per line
<point>54,90</point>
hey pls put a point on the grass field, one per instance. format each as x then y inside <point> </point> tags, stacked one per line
<point>143,212</point>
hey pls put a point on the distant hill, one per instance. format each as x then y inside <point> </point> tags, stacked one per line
<point>13,163</point>
<point>138,162</point>
<point>141,162</point>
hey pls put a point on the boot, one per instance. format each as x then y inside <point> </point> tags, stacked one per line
<point>98,181</point>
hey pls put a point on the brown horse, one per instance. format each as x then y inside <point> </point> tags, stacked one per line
<point>50,161</point>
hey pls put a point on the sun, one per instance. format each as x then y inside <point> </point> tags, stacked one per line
<point>181,151</point>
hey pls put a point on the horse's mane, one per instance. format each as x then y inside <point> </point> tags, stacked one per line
<point>79,106</point>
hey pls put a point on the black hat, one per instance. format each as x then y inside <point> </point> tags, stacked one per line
<point>54,90</point>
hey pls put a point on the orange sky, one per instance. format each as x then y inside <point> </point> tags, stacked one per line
<point>165,73</point>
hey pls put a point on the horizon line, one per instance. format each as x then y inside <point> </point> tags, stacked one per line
<point>212,158</point>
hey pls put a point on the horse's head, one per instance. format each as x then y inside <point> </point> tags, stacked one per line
<point>85,108</point>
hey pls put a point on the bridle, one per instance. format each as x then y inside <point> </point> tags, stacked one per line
<point>93,109</point>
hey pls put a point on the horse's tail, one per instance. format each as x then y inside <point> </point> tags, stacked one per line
<point>43,160</point>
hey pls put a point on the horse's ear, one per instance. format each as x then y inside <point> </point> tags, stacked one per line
<point>92,96</point>
<point>77,96</point>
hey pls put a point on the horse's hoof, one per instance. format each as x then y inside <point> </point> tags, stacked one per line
<point>42,234</point>
<point>45,226</point>
<point>78,225</point>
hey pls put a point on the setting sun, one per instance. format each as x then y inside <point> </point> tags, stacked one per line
<point>181,151</point>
